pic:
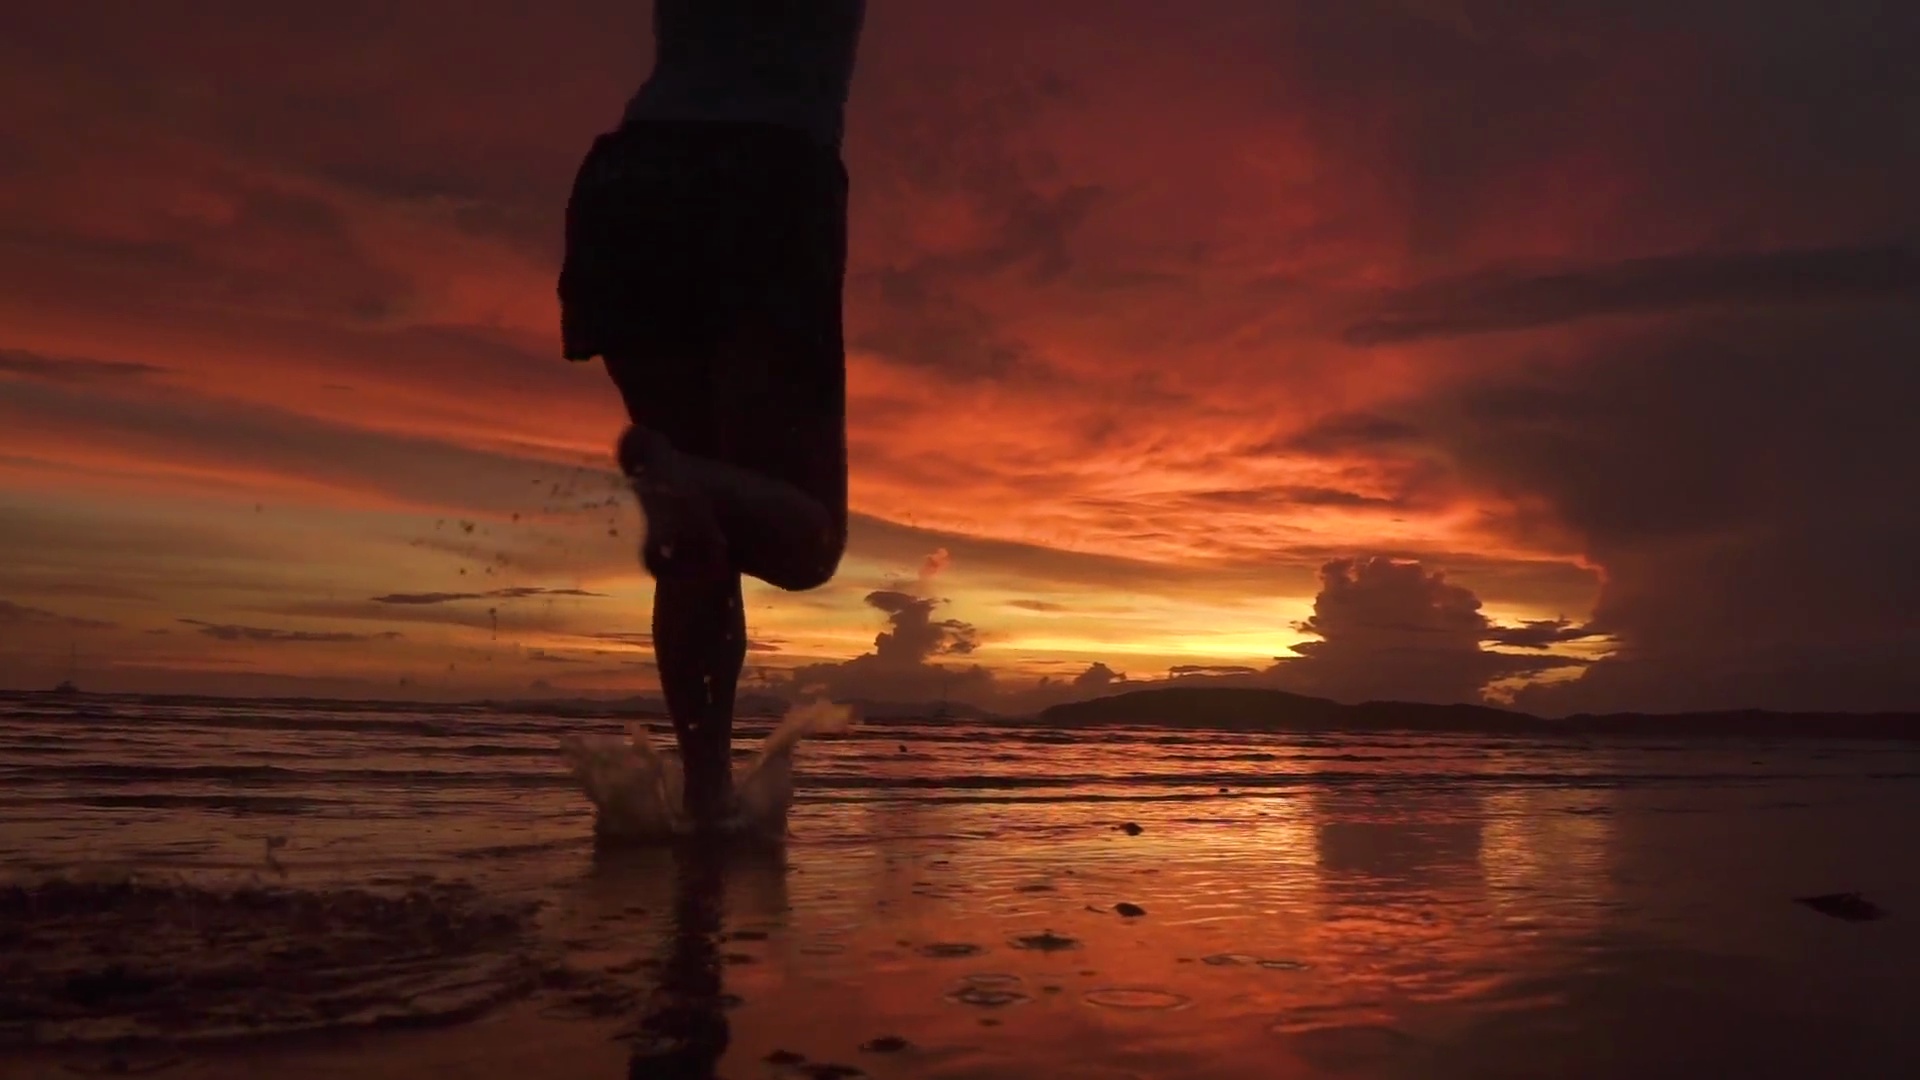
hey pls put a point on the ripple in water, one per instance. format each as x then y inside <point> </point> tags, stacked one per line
<point>987,997</point>
<point>988,990</point>
<point>1136,999</point>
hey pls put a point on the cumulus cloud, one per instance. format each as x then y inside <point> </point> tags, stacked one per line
<point>1386,630</point>
<point>1397,631</point>
<point>904,664</point>
<point>915,636</point>
<point>1098,676</point>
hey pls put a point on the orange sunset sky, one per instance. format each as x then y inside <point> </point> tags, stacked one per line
<point>1561,353</point>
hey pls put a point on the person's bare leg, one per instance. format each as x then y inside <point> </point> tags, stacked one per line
<point>700,643</point>
<point>699,617</point>
<point>707,522</point>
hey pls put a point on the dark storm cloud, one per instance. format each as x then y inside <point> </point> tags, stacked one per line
<point>951,136</point>
<point>642,639</point>
<point>1320,496</point>
<point>71,369</point>
<point>25,615</point>
<point>516,593</point>
<point>1749,484</point>
<point>1097,676</point>
<point>1191,671</point>
<point>277,636</point>
<point>1506,300</point>
<point>930,328</point>
<point>1538,633</point>
<point>219,435</point>
<point>1786,119</point>
<point>1346,433</point>
<point>244,240</point>
<point>90,590</point>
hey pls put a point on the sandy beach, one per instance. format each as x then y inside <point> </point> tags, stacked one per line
<point>1411,925</point>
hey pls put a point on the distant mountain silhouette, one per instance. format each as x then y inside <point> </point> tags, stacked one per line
<point>1255,709</point>
<point>1211,708</point>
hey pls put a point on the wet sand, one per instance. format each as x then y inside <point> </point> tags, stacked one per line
<point>1523,933</point>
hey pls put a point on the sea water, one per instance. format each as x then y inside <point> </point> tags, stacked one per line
<point>636,789</point>
<point>1385,904</point>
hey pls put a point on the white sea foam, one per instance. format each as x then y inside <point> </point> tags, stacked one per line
<point>636,788</point>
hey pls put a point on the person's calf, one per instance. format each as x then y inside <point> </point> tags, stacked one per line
<point>699,640</point>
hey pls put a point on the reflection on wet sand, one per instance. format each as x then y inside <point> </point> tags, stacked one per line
<point>1368,844</point>
<point>682,1031</point>
<point>1330,930</point>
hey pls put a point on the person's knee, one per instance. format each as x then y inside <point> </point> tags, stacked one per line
<point>811,573</point>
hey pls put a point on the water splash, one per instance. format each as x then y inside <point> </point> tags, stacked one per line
<point>636,789</point>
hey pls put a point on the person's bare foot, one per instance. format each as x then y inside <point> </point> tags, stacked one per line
<point>682,530</point>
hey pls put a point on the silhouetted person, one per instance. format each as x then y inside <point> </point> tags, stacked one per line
<point>706,250</point>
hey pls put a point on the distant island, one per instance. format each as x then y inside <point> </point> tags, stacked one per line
<point>1240,708</point>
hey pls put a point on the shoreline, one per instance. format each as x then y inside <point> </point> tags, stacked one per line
<point>1227,710</point>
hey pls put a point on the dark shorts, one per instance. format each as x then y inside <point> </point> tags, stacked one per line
<point>705,263</point>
